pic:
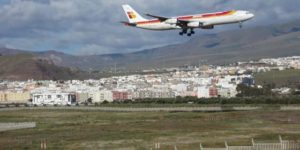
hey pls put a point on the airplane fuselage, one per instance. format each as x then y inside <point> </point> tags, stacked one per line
<point>210,19</point>
<point>186,23</point>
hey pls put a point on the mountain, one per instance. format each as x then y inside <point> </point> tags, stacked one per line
<point>27,66</point>
<point>7,51</point>
<point>226,47</point>
<point>221,48</point>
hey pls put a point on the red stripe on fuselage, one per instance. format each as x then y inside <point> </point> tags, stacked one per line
<point>149,22</point>
<point>217,14</point>
<point>185,17</point>
<point>191,17</point>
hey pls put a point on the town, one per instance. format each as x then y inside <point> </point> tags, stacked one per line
<point>204,81</point>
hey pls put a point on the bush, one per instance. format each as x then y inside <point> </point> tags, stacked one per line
<point>105,102</point>
<point>237,100</point>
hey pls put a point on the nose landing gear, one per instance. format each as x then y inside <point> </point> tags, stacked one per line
<point>241,24</point>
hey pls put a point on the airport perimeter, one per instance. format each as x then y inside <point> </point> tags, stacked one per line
<point>120,128</point>
<point>208,108</point>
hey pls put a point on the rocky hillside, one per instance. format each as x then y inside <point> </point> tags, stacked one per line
<point>27,66</point>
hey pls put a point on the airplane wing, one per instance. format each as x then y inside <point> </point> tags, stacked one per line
<point>186,23</point>
<point>158,17</point>
<point>180,22</point>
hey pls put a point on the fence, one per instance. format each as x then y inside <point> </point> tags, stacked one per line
<point>149,109</point>
<point>290,108</point>
<point>282,145</point>
<point>137,109</point>
<point>290,145</point>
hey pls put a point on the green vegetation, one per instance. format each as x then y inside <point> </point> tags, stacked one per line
<point>193,101</point>
<point>69,129</point>
<point>249,91</point>
<point>285,78</point>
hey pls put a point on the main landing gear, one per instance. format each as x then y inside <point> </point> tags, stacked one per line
<point>185,31</point>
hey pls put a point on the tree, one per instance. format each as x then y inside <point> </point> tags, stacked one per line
<point>248,91</point>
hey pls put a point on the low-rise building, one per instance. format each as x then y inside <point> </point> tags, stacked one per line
<point>203,92</point>
<point>189,94</point>
<point>53,99</point>
<point>121,95</point>
<point>82,97</point>
<point>14,97</point>
<point>142,94</point>
<point>213,92</point>
<point>227,92</point>
<point>101,96</point>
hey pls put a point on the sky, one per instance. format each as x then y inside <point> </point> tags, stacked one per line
<point>87,27</point>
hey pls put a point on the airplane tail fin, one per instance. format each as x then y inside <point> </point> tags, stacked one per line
<point>132,15</point>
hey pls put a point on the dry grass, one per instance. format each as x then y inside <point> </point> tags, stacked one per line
<point>110,130</point>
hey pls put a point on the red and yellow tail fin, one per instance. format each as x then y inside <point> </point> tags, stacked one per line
<point>132,15</point>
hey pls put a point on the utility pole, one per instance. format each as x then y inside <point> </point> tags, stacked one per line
<point>272,85</point>
<point>115,68</point>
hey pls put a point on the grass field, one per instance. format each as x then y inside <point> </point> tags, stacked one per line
<point>69,129</point>
<point>286,78</point>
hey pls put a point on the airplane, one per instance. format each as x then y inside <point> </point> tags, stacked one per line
<point>187,23</point>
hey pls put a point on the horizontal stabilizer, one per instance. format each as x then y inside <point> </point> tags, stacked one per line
<point>128,23</point>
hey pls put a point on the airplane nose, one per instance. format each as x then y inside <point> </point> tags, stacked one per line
<point>251,16</point>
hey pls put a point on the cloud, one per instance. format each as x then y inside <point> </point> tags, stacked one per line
<point>92,26</point>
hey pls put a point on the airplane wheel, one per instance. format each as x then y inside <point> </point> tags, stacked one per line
<point>241,25</point>
<point>180,33</point>
<point>192,32</point>
<point>189,34</point>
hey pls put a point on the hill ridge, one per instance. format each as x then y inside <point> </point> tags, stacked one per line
<point>220,48</point>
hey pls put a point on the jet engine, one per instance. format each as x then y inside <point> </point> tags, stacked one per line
<point>171,21</point>
<point>199,25</point>
<point>207,27</point>
<point>195,24</point>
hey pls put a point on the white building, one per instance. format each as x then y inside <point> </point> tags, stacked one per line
<point>101,96</point>
<point>53,99</point>
<point>203,92</point>
<point>227,92</point>
<point>179,87</point>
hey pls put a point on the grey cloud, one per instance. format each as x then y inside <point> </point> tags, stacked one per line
<point>92,26</point>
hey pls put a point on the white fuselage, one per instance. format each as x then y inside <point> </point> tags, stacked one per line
<point>206,20</point>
